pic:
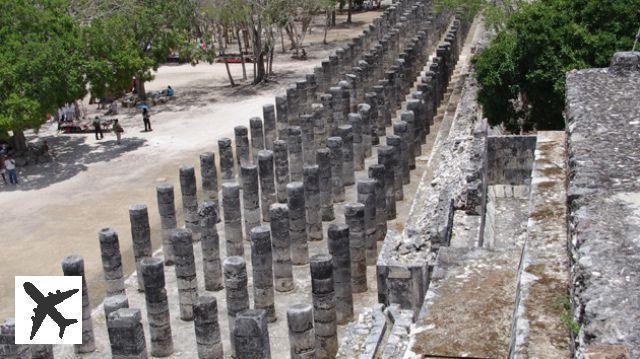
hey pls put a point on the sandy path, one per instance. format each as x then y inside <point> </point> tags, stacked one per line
<point>60,207</point>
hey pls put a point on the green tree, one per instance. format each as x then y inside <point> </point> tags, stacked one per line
<point>41,64</point>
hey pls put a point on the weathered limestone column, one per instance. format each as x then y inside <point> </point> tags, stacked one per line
<point>319,124</point>
<point>324,306</point>
<point>301,96</point>
<point>302,336</point>
<point>413,137</point>
<point>262,264</point>
<point>74,266</point>
<point>270,126</point>
<point>308,139</point>
<point>376,121</point>
<point>226,159</point>
<point>111,261</point>
<point>367,196</point>
<point>257,137</point>
<point>232,219</point>
<point>210,244</point>
<point>251,335</point>
<point>338,106</point>
<point>377,173</point>
<point>115,302</point>
<point>400,130</point>
<point>297,223</point>
<point>337,161</point>
<point>189,200</point>
<point>323,159</point>
<point>281,163</point>
<point>250,197</point>
<point>235,283</point>
<point>355,120</point>
<point>205,316</point>
<point>294,146</point>
<point>367,129</point>
<point>126,334</point>
<point>354,218</point>
<point>331,127</point>
<point>348,163</point>
<point>267,184</point>
<point>312,202</point>
<point>282,117</point>
<point>168,221</point>
<point>396,143</point>
<point>185,271</point>
<point>8,348</point>
<point>386,158</point>
<point>281,242</point>
<point>242,145</point>
<point>209,175</point>
<point>292,105</point>
<point>141,236</point>
<point>338,243</point>
<point>157,307</point>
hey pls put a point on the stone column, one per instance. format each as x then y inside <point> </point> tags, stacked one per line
<point>74,266</point>
<point>413,136</point>
<point>262,264</point>
<point>398,159</point>
<point>302,336</point>
<point>319,125</point>
<point>226,159</point>
<point>235,282</point>
<point>400,129</point>
<point>282,117</point>
<point>308,139</point>
<point>297,223</point>
<point>8,348</point>
<point>331,127</point>
<point>367,129</point>
<point>386,158</point>
<point>157,307</point>
<point>323,159</point>
<point>185,271</point>
<point>270,126</point>
<point>210,245</point>
<point>111,261</point>
<point>205,317</point>
<point>281,163</point>
<point>250,197</point>
<point>257,137</point>
<point>312,202</point>
<point>189,200</point>
<point>377,173</point>
<point>348,163</point>
<point>267,184</point>
<point>209,175</point>
<point>251,335</point>
<point>242,145</point>
<point>232,219</point>
<point>168,221</point>
<point>292,105</point>
<point>324,306</point>
<point>358,150</point>
<point>141,236</point>
<point>338,244</point>
<point>115,302</point>
<point>296,161</point>
<point>367,196</point>
<point>376,121</point>
<point>281,242</point>
<point>126,334</point>
<point>354,218</point>
<point>337,162</point>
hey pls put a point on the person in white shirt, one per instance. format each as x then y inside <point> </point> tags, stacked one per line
<point>10,166</point>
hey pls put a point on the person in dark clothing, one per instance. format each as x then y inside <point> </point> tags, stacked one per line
<point>146,119</point>
<point>97,128</point>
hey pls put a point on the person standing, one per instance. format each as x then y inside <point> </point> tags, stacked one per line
<point>10,166</point>
<point>2,170</point>
<point>118,130</point>
<point>97,128</point>
<point>146,118</point>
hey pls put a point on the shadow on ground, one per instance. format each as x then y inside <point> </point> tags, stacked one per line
<point>71,155</point>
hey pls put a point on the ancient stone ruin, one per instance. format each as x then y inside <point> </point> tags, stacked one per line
<point>372,213</point>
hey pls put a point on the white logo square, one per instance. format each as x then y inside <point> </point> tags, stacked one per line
<point>48,309</point>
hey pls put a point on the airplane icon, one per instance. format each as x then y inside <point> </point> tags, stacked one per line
<point>47,306</point>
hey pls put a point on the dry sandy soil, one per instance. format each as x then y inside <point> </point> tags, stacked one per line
<point>59,207</point>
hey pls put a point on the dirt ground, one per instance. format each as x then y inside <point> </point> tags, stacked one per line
<point>59,207</point>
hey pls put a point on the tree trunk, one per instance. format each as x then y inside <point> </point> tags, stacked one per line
<point>333,18</point>
<point>282,41</point>
<point>19,141</point>
<point>260,69</point>
<point>349,6</point>
<point>142,95</point>
<point>224,58</point>
<point>327,22</point>
<point>244,70</point>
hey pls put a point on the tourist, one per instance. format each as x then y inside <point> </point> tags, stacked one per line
<point>2,170</point>
<point>146,119</point>
<point>169,91</point>
<point>97,128</point>
<point>10,166</point>
<point>118,130</point>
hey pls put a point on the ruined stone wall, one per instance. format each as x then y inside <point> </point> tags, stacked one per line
<point>510,159</point>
